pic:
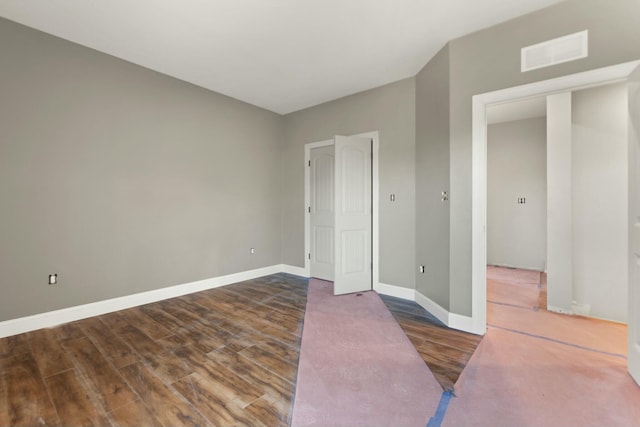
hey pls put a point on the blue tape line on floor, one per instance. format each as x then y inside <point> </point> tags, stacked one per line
<point>436,420</point>
<point>513,305</point>
<point>622,356</point>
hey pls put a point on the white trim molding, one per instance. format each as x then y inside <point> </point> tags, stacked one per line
<point>464,323</point>
<point>433,307</point>
<point>395,291</point>
<point>560,310</point>
<point>296,271</point>
<point>591,78</point>
<point>452,320</point>
<point>70,314</point>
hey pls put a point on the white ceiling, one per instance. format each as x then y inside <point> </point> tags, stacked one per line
<point>282,55</point>
<point>517,110</point>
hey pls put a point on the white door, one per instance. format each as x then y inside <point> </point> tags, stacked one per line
<point>634,226</point>
<point>353,258</point>
<point>321,212</point>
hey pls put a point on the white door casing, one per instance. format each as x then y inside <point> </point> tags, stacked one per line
<point>606,75</point>
<point>321,212</point>
<point>353,214</point>
<point>633,356</point>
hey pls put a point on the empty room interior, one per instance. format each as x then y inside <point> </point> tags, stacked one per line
<point>323,213</point>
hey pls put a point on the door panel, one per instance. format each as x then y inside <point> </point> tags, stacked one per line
<point>353,268</point>
<point>322,187</point>
<point>353,252</point>
<point>634,226</point>
<point>323,253</point>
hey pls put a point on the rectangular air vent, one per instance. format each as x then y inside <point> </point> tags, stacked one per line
<point>556,51</point>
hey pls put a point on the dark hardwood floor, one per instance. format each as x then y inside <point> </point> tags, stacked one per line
<point>446,351</point>
<point>226,356</point>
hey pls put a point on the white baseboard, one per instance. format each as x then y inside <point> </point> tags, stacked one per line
<point>65,315</point>
<point>452,320</point>
<point>463,323</point>
<point>296,271</point>
<point>560,310</point>
<point>433,307</point>
<point>395,291</point>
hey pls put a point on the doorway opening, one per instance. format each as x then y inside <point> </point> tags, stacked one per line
<point>619,73</point>
<point>516,206</point>
<point>341,226</point>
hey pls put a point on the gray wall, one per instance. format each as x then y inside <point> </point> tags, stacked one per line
<point>559,203</point>
<point>123,180</point>
<point>490,60</point>
<point>600,201</point>
<point>390,110</point>
<point>432,178</point>
<point>517,167</point>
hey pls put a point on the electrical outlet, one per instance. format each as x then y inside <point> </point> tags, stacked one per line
<point>421,269</point>
<point>53,279</point>
<point>252,251</point>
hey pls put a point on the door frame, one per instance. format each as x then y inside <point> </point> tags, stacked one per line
<point>375,198</point>
<point>592,78</point>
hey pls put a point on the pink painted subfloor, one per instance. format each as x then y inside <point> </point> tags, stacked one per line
<point>522,377</point>
<point>513,276</point>
<point>510,292</point>
<point>599,335</point>
<point>517,380</point>
<point>502,293</point>
<point>357,367</point>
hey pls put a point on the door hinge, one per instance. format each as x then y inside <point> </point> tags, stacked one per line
<point>309,209</point>
<point>309,163</point>
<point>309,255</point>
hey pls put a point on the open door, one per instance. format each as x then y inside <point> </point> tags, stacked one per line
<point>321,213</point>
<point>634,226</point>
<point>353,208</point>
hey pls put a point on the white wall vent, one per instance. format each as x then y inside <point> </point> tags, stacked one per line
<point>556,51</point>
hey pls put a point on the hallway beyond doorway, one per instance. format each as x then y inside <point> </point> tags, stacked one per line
<point>516,301</point>
<point>538,368</point>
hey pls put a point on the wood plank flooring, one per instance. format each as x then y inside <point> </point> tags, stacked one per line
<point>446,351</point>
<point>226,356</point>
